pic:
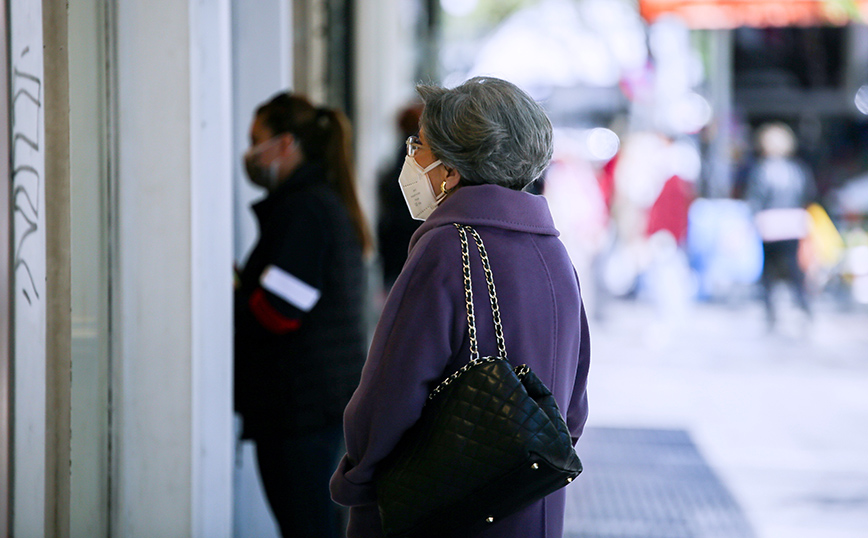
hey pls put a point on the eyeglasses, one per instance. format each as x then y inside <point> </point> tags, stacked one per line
<point>413,145</point>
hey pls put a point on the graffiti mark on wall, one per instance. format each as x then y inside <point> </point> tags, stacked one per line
<point>26,177</point>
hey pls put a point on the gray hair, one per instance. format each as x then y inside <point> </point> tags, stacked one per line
<point>489,130</point>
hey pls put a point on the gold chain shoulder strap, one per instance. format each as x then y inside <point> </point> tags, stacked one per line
<point>468,297</point>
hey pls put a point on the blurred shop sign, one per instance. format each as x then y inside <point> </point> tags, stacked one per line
<point>725,14</point>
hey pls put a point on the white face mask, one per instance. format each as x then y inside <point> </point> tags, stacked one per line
<point>417,189</point>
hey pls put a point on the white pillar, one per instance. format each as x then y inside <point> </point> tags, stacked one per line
<point>384,56</point>
<point>211,276</point>
<point>720,177</point>
<point>171,423</point>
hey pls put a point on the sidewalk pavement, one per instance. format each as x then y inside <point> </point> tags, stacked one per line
<point>781,418</point>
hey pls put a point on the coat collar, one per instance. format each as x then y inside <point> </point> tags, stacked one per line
<point>492,206</point>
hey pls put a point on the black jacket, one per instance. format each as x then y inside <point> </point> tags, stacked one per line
<point>295,366</point>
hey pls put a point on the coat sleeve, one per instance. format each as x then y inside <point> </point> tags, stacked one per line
<point>577,414</point>
<point>414,342</point>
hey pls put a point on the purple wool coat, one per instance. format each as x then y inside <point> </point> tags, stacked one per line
<point>422,337</point>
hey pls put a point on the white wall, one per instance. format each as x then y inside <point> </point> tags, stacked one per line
<point>6,312</point>
<point>29,255</point>
<point>262,66</point>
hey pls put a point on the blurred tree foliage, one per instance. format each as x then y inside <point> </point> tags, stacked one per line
<point>843,10</point>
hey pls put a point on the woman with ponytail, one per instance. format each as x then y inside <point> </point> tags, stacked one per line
<point>299,334</point>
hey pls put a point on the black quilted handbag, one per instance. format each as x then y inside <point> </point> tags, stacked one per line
<point>490,441</point>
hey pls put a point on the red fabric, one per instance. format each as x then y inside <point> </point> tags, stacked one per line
<point>269,317</point>
<point>669,211</point>
<point>606,180</point>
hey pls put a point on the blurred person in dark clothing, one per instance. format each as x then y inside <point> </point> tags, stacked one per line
<point>778,190</point>
<point>299,335</point>
<point>395,226</point>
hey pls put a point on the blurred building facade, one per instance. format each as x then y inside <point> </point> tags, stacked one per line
<point>700,75</point>
<point>125,209</point>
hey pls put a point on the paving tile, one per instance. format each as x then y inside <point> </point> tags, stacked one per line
<point>649,483</point>
<point>779,418</point>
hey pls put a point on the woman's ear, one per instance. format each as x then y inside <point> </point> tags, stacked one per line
<point>288,141</point>
<point>453,177</point>
<point>291,154</point>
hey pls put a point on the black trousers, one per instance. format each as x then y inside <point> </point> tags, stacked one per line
<point>295,473</point>
<point>781,261</point>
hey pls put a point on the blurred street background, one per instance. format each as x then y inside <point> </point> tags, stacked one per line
<point>720,407</point>
<point>711,415</point>
<point>778,419</point>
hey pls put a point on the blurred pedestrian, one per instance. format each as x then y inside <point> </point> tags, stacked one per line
<point>779,189</point>
<point>299,335</point>
<point>395,226</point>
<point>479,145</point>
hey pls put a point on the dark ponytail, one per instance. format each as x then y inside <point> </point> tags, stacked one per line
<point>339,162</point>
<point>325,136</point>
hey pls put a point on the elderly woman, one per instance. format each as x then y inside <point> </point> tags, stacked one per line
<point>479,145</point>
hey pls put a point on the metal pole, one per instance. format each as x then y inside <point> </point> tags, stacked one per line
<point>719,179</point>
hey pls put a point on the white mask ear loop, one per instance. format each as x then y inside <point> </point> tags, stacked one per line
<point>431,166</point>
<point>442,194</point>
<point>273,173</point>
